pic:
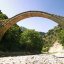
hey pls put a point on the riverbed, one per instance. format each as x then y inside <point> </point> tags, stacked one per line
<point>32,59</point>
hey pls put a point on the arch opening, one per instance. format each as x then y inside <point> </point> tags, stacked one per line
<point>37,23</point>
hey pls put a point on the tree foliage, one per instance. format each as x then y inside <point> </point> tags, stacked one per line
<point>2,16</point>
<point>50,37</point>
<point>31,41</point>
<point>61,37</point>
<point>11,39</point>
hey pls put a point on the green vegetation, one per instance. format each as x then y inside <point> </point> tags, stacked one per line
<point>2,16</point>
<point>50,37</point>
<point>61,37</point>
<point>11,39</point>
<point>20,39</point>
<point>31,41</point>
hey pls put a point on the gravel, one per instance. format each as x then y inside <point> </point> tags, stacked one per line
<point>32,59</point>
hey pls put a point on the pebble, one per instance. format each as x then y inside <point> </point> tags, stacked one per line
<point>32,59</point>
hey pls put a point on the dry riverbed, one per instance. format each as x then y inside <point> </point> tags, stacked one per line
<point>33,59</point>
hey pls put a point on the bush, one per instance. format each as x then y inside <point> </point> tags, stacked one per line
<point>10,41</point>
<point>31,41</point>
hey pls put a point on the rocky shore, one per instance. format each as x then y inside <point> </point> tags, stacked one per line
<point>32,59</point>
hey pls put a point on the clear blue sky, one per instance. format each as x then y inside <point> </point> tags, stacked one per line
<point>13,7</point>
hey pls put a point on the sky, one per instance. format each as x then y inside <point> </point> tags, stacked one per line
<point>14,7</point>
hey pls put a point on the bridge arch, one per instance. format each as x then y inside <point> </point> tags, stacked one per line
<point>28,14</point>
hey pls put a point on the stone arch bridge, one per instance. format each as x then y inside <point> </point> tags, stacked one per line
<point>7,23</point>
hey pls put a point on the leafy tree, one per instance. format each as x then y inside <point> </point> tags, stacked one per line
<point>61,37</point>
<point>50,37</point>
<point>11,39</point>
<point>0,12</point>
<point>2,16</point>
<point>31,41</point>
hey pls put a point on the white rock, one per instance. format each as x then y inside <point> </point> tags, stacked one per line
<point>32,59</point>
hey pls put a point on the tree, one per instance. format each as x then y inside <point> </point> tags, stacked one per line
<point>31,41</point>
<point>61,37</point>
<point>2,16</point>
<point>10,41</point>
<point>50,37</point>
